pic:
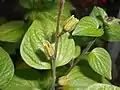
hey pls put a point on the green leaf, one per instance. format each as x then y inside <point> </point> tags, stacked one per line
<point>12,31</point>
<point>30,4</point>
<point>88,26</point>
<point>98,12</point>
<point>79,77</point>
<point>102,87</point>
<point>32,15</point>
<point>32,49</point>
<point>77,51</point>
<point>51,12</point>
<point>111,24</point>
<point>112,29</point>
<point>100,61</point>
<point>29,79</point>
<point>6,68</point>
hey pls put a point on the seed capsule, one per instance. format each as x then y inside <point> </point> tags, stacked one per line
<point>70,23</point>
<point>48,49</point>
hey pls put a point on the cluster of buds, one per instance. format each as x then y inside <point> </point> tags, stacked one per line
<point>70,24</point>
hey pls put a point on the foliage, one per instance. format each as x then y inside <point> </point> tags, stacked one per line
<point>78,66</point>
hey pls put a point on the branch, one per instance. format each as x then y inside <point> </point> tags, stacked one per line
<point>82,54</point>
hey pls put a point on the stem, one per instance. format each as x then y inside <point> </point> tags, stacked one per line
<point>89,46</point>
<point>83,53</point>
<point>61,3</point>
<point>53,74</point>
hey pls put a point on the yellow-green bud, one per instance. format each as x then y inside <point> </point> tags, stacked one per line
<point>70,23</point>
<point>48,49</point>
<point>63,80</point>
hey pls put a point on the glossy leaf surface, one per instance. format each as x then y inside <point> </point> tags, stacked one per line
<point>88,26</point>
<point>100,61</point>
<point>32,49</point>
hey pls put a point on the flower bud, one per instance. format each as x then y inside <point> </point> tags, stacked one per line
<point>70,23</point>
<point>63,80</point>
<point>48,49</point>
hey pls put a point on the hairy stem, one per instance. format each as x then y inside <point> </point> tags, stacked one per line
<point>61,3</point>
<point>83,53</point>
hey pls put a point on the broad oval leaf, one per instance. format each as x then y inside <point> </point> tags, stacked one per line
<point>30,79</point>
<point>80,77</point>
<point>32,50</point>
<point>112,29</point>
<point>12,31</point>
<point>6,68</point>
<point>100,61</point>
<point>99,86</point>
<point>88,26</point>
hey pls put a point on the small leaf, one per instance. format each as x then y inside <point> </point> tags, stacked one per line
<point>29,79</point>
<point>12,31</point>
<point>88,26</point>
<point>6,68</point>
<point>98,12</point>
<point>111,24</point>
<point>112,29</point>
<point>32,49</point>
<point>100,61</point>
<point>98,86</point>
<point>79,77</point>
